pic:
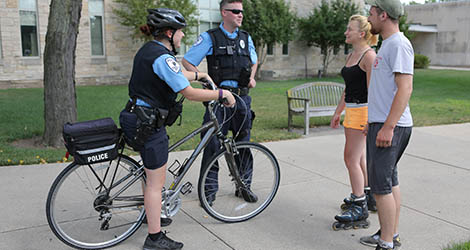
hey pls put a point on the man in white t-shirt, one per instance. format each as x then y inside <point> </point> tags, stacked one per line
<point>390,120</point>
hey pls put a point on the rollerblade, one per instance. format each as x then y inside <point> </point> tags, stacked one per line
<point>347,203</point>
<point>355,216</point>
<point>371,205</point>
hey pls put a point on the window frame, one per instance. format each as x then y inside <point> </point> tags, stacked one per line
<point>282,48</point>
<point>103,33</point>
<point>1,47</point>
<point>38,41</point>
<point>268,48</point>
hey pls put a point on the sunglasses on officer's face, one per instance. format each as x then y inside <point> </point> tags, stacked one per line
<point>235,11</point>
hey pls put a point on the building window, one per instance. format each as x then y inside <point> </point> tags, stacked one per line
<point>270,50</point>
<point>209,15</point>
<point>96,11</point>
<point>28,26</point>
<point>285,49</point>
<point>1,51</point>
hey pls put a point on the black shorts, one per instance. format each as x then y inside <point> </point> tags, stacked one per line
<point>382,162</point>
<point>155,151</point>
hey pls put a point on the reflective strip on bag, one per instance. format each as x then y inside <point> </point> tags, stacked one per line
<point>94,150</point>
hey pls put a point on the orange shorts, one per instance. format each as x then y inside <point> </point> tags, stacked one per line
<point>355,118</point>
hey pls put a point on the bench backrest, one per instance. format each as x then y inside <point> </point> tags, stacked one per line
<point>320,94</point>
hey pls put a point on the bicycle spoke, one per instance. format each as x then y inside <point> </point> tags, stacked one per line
<point>83,217</point>
<point>259,172</point>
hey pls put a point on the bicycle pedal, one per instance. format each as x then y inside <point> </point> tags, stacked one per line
<point>173,169</point>
<point>187,188</point>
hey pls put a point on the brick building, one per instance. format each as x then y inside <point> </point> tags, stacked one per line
<point>442,32</point>
<point>105,49</point>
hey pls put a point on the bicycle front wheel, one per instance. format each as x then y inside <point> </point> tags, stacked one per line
<point>81,211</point>
<point>259,171</point>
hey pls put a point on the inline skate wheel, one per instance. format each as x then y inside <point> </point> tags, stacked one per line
<point>337,226</point>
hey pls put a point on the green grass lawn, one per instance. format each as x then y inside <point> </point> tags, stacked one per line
<point>459,246</point>
<point>439,97</point>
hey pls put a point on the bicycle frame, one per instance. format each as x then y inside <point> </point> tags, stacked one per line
<point>212,127</point>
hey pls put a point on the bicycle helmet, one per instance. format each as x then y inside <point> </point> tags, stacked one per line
<point>165,18</point>
<point>162,18</point>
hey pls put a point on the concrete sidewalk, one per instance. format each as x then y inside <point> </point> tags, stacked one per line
<point>434,179</point>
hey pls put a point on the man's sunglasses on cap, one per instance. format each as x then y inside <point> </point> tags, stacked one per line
<point>235,11</point>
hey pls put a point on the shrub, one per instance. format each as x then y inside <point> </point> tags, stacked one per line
<point>421,61</point>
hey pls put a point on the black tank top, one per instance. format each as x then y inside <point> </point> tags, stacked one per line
<point>356,83</point>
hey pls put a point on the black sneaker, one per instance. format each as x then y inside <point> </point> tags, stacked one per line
<point>162,243</point>
<point>373,240</point>
<point>164,222</point>
<point>247,195</point>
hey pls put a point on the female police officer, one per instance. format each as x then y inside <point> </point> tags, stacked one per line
<point>155,81</point>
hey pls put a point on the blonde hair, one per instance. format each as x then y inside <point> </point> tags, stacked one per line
<point>364,26</point>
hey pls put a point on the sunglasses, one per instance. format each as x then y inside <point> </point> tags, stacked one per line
<point>235,11</point>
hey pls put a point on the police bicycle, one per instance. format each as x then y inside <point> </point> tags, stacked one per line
<point>95,206</point>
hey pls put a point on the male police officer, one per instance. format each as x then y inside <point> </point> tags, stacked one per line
<point>231,63</point>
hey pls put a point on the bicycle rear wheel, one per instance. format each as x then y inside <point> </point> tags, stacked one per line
<point>217,190</point>
<point>79,210</point>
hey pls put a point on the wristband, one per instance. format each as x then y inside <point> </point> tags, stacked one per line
<point>221,95</point>
<point>195,75</point>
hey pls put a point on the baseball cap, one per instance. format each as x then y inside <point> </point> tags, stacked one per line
<point>394,8</point>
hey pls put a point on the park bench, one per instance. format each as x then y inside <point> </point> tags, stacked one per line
<point>313,99</point>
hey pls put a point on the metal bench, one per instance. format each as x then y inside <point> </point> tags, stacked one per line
<point>313,99</point>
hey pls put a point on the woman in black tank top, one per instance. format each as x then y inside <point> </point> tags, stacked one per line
<point>356,74</point>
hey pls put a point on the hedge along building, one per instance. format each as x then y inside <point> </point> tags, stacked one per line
<point>105,49</point>
<point>442,32</point>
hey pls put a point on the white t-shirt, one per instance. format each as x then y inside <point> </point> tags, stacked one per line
<point>396,55</point>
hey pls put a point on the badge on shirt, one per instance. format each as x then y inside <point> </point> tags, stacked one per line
<point>173,64</point>
<point>242,44</point>
<point>198,41</point>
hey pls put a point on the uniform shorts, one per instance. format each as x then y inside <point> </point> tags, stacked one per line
<point>355,118</point>
<point>382,162</point>
<point>154,154</point>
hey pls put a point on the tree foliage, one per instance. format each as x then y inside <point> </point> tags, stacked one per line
<point>133,14</point>
<point>404,27</point>
<point>325,26</point>
<point>269,22</point>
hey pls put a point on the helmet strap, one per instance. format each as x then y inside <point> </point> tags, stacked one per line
<point>172,43</point>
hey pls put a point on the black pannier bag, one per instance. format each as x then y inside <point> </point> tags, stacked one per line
<point>92,141</point>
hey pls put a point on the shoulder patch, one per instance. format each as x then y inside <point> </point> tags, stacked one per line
<point>171,62</point>
<point>198,41</point>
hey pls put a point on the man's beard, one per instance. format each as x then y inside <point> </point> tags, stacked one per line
<point>374,31</point>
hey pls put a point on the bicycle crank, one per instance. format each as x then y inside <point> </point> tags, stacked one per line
<point>171,203</point>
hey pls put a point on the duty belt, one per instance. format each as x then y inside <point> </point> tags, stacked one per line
<point>237,91</point>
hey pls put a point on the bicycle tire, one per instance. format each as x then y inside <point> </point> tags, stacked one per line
<point>265,178</point>
<point>75,198</point>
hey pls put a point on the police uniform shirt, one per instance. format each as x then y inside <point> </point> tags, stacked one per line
<point>169,70</point>
<point>203,47</point>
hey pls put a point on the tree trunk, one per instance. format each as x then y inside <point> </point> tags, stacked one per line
<point>306,66</point>
<point>261,59</point>
<point>59,68</point>
<point>325,63</point>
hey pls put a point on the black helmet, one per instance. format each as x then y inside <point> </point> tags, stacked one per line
<point>165,18</point>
